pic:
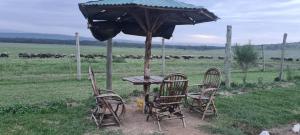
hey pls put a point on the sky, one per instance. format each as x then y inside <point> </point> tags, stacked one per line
<point>258,21</point>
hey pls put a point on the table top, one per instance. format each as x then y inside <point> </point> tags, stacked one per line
<point>139,80</point>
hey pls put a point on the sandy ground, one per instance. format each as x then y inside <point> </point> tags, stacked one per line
<point>134,123</point>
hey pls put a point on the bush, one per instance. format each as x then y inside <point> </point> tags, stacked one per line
<point>245,57</point>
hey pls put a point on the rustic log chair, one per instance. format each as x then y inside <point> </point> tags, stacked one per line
<point>203,101</point>
<point>166,104</point>
<point>109,106</point>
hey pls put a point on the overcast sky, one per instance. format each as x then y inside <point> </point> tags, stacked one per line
<point>261,21</point>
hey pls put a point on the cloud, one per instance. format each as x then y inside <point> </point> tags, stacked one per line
<point>262,21</point>
<point>204,38</point>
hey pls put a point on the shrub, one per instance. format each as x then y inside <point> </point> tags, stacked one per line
<point>245,57</point>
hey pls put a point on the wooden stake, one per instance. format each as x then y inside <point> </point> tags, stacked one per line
<point>227,68</point>
<point>282,57</point>
<point>148,44</point>
<point>163,57</point>
<point>78,56</point>
<point>109,65</point>
<point>263,58</point>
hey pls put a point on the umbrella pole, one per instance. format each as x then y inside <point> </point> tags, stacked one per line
<point>148,45</point>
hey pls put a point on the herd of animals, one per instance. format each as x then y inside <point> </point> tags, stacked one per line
<point>93,56</point>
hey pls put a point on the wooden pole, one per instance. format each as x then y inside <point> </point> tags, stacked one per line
<point>148,44</point>
<point>282,56</point>
<point>227,68</point>
<point>78,56</point>
<point>163,57</point>
<point>263,58</point>
<point>109,64</point>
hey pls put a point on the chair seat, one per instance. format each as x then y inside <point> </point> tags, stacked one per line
<point>109,95</point>
<point>197,96</point>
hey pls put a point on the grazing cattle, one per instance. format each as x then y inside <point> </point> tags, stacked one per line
<point>24,55</point>
<point>201,57</point>
<point>156,57</point>
<point>167,57</point>
<point>4,55</point>
<point>140,57</point>
<point>72,56</point>
<point>186,57</point>
<point>89,56</point>
<point>221,58</point>
<point>275,58</point>
<point>208,57</point>
<point>289,59</point>
<point>175,57</point>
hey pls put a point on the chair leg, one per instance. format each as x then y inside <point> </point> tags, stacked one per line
<point>158,123</point>
<point>182,117</point>
<point>214,107</point>
<point>183,121</point>
<point>109,107</point>
<point>206,108</point>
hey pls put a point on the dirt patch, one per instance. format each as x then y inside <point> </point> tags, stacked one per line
<point>134,123</point>
<point>283,130</point>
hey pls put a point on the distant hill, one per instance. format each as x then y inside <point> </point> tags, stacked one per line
<point>41,36</point>
<point>294,45</point>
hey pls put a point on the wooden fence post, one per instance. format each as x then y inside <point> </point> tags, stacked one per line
<point>227,67</point>
<point>282,56</point>
<point>109,65</point>
<point>163,57</point>
<point>263,58</point>
<point>78,56</point>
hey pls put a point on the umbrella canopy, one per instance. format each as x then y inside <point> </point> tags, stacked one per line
<point>107,18</point>
<point>150,18</point>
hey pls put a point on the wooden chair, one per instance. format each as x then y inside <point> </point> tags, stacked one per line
<point>109,106</point>
<point>166,103</point>
<point>203,101</point>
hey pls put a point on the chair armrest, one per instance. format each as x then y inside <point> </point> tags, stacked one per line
<point>210,89</point>
<point>199,85</point>
<point>108,91</point>
<point>109,95</point>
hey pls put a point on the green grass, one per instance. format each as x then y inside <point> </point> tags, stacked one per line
<point>28,86</point>
<point>253,112</point>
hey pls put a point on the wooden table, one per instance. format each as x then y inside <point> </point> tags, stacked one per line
<point>139,80</point>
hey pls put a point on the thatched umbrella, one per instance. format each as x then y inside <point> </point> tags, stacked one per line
<point>149,18</point>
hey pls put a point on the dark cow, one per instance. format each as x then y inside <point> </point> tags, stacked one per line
<point>4,55</point>
<point>221,58</point>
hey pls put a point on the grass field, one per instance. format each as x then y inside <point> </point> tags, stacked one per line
<point>33,92</point>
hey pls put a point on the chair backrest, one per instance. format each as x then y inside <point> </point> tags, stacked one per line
<point>212,78</point>
<point>93,81</point>
<point>173,89</point>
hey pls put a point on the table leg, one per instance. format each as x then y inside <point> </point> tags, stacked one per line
<point>146,90</point>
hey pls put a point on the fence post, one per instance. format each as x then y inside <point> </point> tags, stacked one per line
<point>227,67</point>
<point>109,65</point>
<point>263,58</point>
<point>78,56</point>
<point>282,56</point>
<point>163,57</point>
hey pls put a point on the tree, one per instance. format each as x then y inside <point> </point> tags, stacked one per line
<point>245,57</point>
